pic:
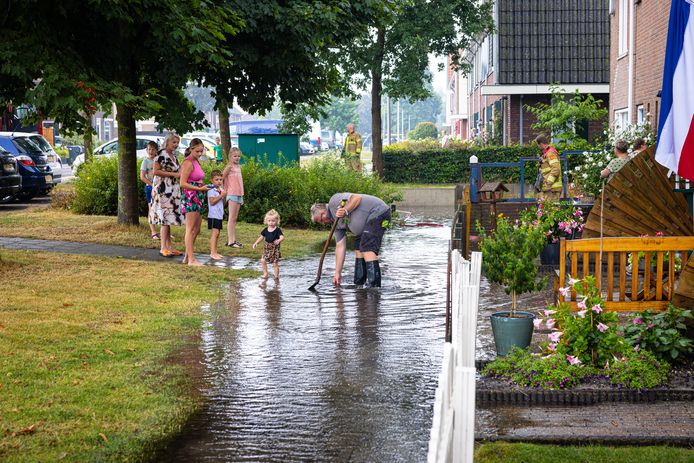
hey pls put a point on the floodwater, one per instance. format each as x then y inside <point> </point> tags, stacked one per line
<point>344,374</point>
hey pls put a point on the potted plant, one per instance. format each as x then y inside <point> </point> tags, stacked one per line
<point>508,258</point>
<point>556,220</point>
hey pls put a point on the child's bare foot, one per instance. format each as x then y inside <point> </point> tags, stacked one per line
<point>195,263</point>
<point>216,256</point>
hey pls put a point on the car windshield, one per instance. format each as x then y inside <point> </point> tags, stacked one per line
<point>26,146</point>
<point>41,142</point>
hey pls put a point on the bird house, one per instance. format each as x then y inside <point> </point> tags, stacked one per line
<point>492,191</point>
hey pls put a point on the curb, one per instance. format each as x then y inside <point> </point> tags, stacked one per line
<point>491,397</point>
<point>593,440</point>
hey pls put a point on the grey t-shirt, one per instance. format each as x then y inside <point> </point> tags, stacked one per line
<point>369,208</point>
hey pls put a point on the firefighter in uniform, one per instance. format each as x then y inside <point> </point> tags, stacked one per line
<point>550,168</point>
<point>352,149</point>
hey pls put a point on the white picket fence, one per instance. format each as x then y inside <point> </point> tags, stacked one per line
<point>453,429</point>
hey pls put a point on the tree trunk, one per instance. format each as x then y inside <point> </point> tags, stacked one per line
<point>128,211</point>
<point>224,134</point>
<point>87,140</point>
<point>376,88</point>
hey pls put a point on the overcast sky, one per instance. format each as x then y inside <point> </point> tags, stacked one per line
<point>438,77</point>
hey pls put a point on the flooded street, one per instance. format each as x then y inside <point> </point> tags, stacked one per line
<point>344,374</point>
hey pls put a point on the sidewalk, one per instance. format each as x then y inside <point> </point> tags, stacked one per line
<point>108,250</point>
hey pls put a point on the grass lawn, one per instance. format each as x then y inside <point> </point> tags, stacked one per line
<point>503,452</point>
<point>59,224</point>
<point>97,354</point>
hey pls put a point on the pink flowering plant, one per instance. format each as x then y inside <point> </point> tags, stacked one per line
<point>587,336</point>
<point>555,219</point>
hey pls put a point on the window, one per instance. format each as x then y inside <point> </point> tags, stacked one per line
<point>110,148</point>
<point>640,115</point>
<point>621,119</point>
<point>623,26</point>
<point>141,144</point>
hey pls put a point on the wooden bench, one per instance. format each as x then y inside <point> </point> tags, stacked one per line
<point>650,288</point>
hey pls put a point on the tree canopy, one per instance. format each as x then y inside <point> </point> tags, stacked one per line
<point>340,112</point>
<point>392,52</point>
<point>140,55</point>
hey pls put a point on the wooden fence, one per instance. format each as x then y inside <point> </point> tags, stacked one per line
<point>453,429</point>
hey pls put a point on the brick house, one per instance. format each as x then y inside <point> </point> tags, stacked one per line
<point>637,52</point>
<point>536,43</point>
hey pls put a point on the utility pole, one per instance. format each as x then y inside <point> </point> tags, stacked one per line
<point>388,120</point>
<point>399,122</point>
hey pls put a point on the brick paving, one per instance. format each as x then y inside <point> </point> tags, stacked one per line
<point>606,423</point>
<point>109,250</point>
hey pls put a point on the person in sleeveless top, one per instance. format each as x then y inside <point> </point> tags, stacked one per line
<point>233,185</point>
<point>194,197</point>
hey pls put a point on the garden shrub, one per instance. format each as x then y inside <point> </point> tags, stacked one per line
<point>426,163</point>
<point>660,333</point>
<point>638,370</point>
<point>289,189</point>
<point>423,130</point>
<point>96,188</point>
<point>411,164</point>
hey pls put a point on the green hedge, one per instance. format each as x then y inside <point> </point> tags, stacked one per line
<point>288,189</point>
<point>452,165</point>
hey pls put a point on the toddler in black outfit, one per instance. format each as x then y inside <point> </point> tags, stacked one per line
<point>273,238</point>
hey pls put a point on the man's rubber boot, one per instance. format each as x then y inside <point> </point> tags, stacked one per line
<point>359,271</point>
<point>373,274</point>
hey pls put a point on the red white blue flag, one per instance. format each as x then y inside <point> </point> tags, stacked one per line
<point>675,149</point>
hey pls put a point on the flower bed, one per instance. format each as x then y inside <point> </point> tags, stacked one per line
<point>588,346</point>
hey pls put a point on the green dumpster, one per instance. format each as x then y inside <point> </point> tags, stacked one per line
<point>273,148</point>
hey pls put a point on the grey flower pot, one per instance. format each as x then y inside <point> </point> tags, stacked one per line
<point>509,332</point>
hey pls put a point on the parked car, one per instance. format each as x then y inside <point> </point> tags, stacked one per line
<point>52,158</point>
<point>305,148</point>
<point>32,163</point>
<point>208,142</point>
<point>10,179</point>
<point>110,149</point>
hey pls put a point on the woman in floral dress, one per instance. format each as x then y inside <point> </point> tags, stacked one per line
<point>194,197</point>
<point>166,194</point>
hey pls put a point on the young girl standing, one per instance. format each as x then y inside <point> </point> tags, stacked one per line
<point>233,185</point>
<point>273,238</point>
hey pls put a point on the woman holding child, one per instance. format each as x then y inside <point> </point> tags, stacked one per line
<point>166,194</point>
<point>194,197</point>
